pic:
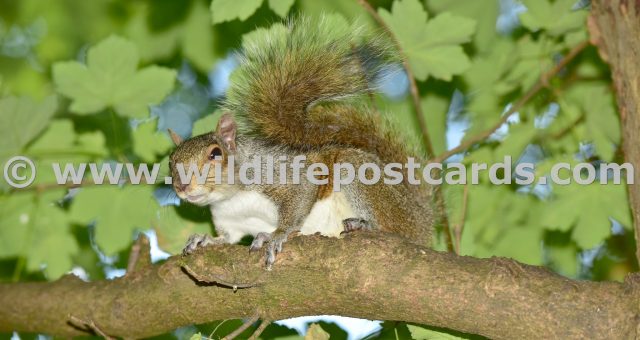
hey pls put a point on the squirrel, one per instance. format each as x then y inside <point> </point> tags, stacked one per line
<point>290,96</point>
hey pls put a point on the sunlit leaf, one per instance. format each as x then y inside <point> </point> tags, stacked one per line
<point>557,17</point>
<point>149,143</point>
<point>281,7</point>
<point>227,10</point>
<point>173,230</point>
<point>420,333</point>
<point>111,79</point>
<point>117,212</point>
<point>432,46</point>
<point>22,120</point>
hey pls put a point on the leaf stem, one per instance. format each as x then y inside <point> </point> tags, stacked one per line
<point>57,153</point>
<point>460,226</point>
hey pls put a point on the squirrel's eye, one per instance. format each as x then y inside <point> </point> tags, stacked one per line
<point>215,152</point>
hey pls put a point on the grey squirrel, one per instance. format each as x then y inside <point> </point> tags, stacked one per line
<point>289,97</point>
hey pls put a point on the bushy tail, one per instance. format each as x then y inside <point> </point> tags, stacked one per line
<point>287,72</point>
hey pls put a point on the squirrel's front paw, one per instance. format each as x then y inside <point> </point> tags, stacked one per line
<point>274,241</point>
<point>200,240</point>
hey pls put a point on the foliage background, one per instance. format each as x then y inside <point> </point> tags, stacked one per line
<point>101,81</point>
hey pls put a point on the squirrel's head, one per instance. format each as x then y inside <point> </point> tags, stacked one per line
<point>192,158</point>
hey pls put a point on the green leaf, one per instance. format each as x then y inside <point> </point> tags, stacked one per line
<point>523,244</point>
<point>420,333</point>
<point>148,142</point>
<point>601,121</point>
<point>519,137</point>
<point>22,120</point>
<point>173,229</point>
<point>432,46</point>
<point>17,216</point>
<point>152,45</point>
<point>116,211</point>
<point>197,38</point>
<point>111,79</point>
<point>281,7</point>
<point>497,217</point>
<point>564,259</point>
<point>484,84</point>
<point>574,38</point>
<point>54,245</point>
<point>587,208</point>
<point>206,124</point>
<point>557,17</point>
<point>448,29</point>
<point>556,217</point>
<point>227,10</point>
<point>61,139</point>
<point>194,36</point>
<point>61,144</point>
<point>435,111</point>
<point>260,34</point>
<point>349,9</point>
<point>442,62</point>
<point>533,58</point>
<point>37,229</point>
<point>485,12</point>
<point>315,332</point>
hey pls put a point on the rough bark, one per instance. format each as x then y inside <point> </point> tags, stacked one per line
<point>365,275</point>
<point>615,28</point>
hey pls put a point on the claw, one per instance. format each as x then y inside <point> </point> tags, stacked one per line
<point>259,241</point>
<point>196,241</point>
<point>270,257</point>
<point>274,242</point>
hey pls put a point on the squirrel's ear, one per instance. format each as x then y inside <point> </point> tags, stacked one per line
<point>175,137</point>
<point>226,131</point>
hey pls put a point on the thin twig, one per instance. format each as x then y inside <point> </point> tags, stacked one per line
<point>50,186</point>
<point>139,255</point>
<point>566,129</point>
<point>460,226</point>
<point>415,94</point>
<point>216,329</point>
<point>539,85</point>
<point>92,327</point>
<point>69,185</point>
<point>446,228</point>
<point>260,329</point>
<point>247,323</point>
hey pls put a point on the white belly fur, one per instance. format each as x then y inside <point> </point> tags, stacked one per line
<point>246,213</point>
<point>249,213</point>
<point>326,216</point>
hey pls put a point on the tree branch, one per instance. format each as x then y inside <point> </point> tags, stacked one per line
<point>614,26</point>
<point>364,275</point>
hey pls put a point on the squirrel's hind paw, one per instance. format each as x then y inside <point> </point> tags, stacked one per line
<point>355,224</point>
<point>200,240</point>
